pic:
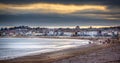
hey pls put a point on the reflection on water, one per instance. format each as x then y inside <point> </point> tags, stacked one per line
<point>14,47</point>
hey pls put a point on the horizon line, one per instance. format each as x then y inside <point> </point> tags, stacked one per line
<point>60,26</point>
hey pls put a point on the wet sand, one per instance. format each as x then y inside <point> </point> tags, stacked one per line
<point>63,56</point>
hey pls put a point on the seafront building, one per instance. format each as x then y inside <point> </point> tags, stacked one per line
<point>91,32</point>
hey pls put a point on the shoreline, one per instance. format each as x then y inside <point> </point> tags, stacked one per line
<point>93,39</point>
<point>57,55</point>
<point>98,40</point>
<point>56,37</point>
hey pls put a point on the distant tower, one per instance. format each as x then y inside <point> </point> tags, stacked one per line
<point>90,27</point>
<point>99,33</point>
<point>77,28</point>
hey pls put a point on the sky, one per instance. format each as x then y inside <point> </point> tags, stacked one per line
<point>60,13</point>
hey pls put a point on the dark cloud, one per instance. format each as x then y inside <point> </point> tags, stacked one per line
<point>52,19</point>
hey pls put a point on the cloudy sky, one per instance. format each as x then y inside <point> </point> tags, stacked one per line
<point>59,12</point>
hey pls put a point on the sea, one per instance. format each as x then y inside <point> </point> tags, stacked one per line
<point>16,47</point>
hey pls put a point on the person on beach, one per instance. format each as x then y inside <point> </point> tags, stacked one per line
<point>89,42</point>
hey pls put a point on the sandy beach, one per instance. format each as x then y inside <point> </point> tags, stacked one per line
<point>107,55</point>
<point>92,53</point>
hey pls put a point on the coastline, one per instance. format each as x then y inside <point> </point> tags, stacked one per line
<point>59,37</point>
<point>57,55</point>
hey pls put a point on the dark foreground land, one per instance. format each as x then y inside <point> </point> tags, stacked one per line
<point>92,53</point>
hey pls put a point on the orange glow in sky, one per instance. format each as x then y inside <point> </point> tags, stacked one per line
<point>55,8</point>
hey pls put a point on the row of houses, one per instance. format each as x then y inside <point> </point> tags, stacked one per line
<point>26,31</point>
<point>80,33</point>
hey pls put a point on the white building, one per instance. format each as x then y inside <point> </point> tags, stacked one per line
<point>88,33</point>
<point>34,33</point>
<point>68,33</point>
<point>51,33</point>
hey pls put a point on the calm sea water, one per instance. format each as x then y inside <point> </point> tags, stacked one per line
<point>16,47</point>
